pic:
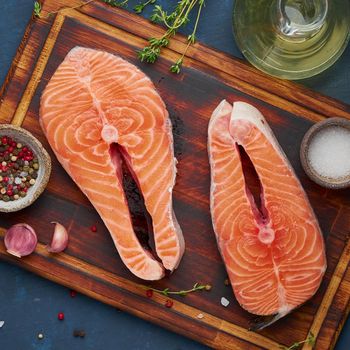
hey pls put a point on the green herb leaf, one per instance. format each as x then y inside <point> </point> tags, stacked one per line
<point>116,3</point>
<point>37,9</point>
<point>172,21</point>
<point>175,68</point>
<point>139,8</point>
<point>311,340</point>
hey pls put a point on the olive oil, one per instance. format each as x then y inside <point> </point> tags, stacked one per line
<point>292,39</point>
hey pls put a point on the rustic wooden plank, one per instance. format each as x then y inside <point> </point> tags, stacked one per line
<point>21,68</point>
<point>91,264</point>
<point>38,70</point>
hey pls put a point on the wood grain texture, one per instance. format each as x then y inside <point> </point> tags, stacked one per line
<point>91,264</point>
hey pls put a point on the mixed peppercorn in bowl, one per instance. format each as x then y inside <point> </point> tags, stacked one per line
<point>25,168</point>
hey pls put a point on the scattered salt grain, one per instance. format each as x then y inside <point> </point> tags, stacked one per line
<point>224,302</point>
<point>2,323</point>
<point>329,152</point>
<point>200,316</point>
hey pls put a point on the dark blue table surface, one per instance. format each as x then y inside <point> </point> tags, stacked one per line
<point>29,304</point>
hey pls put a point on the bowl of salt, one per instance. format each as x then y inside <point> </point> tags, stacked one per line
<point>325,153</point>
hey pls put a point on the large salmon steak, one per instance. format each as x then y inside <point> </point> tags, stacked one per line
<point>99,111</point>
<point>273,251</point>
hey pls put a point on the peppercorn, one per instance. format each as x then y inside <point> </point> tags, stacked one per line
<point>79,333</point>
<point>17,173</point>
<point>169,303</point>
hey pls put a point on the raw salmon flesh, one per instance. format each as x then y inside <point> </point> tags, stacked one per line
<point>275,254</point>
<point>94,101</point>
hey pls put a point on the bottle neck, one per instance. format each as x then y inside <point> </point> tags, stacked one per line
<point>301,19</point>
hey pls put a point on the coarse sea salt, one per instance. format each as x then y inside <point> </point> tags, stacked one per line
<point>329,152</point>
<point>224,302</point>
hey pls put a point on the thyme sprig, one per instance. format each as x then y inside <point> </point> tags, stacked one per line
<point>140,7</point>
<point>195,288</point>
<point>173,22</point>
<point>311,340</point>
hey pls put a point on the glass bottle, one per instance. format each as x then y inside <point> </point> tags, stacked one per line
<point>292,39</point>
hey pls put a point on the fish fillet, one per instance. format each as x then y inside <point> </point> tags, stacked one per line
<point>274,255</point>
<point>94,101</point>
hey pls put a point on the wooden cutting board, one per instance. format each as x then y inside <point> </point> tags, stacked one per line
<point>91,264</point>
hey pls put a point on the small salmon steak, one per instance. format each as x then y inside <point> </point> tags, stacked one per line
<point>93,102</point>
<point>274,252</point>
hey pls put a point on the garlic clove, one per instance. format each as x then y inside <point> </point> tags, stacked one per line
<point>59,240</point>
<point>20,240</point>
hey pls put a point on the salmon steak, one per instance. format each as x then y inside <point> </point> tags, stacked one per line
<point>274,252</point>
<point>99,111</point>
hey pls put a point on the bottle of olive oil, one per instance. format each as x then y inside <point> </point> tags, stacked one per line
<point>292,39</point>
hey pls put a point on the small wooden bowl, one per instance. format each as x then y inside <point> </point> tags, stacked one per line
<point>23,136</point>
<point>323,181</point>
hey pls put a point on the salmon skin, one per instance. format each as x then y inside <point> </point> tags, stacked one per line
<point>94,101</point>
<point>274,255</point>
